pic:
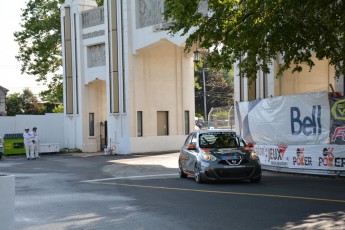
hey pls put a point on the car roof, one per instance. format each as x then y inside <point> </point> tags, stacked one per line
<point>215,130</point>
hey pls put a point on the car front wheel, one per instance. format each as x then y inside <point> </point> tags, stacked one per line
<point>197,174</point>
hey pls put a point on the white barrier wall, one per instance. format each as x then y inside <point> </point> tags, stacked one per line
<point>289,120</point>
<point>50,126</point>
<point>311,159</point>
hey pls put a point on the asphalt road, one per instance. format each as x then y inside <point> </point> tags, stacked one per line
<point>90,191</point>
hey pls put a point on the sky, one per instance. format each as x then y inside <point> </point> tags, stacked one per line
<point>10,75</point>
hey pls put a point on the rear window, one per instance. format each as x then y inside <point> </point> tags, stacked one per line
<point>218,140</point>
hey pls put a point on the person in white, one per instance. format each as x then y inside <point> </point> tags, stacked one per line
<point>35,144</point>
<point>27,143</point>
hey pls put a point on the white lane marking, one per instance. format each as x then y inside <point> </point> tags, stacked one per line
<point>130,177</point>
<point>7,165</point>
<point>50,170</point>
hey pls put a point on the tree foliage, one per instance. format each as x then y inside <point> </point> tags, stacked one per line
<point>54,93</point>
<point>256,31</point>
<point>23,103</point>
<point>14,104</point>
<point>100,2</point>
<point>39,43</point>
<point>219,85</point>
<point>58,109</point>
<point>40,38</point>
<point>27,103</point>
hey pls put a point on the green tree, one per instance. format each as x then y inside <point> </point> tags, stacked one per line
<point>257,31</point>
<point>219,86</point>
<point>39,43</point>
<point>100,2</point>
<point>220,91</point>
<point>24,103</point>
<point>54,93</point>
<point>58,109</point>
<point>40,38</point>
<point>14,104</point>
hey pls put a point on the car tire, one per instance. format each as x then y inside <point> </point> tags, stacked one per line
<point>197,174</point>
<point>181,173</point>
<point>256,179</point>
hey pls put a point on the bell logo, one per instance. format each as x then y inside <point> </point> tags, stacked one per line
<point>310,125</point>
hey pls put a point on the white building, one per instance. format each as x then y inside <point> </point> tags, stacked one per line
<point>3,93</point>
<point>126,82</point>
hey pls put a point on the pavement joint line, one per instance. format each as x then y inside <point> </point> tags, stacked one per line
<point>128,177</point>
<point>222,192</point>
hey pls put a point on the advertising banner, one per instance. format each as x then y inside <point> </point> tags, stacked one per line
<point>317,157</point>
<point>337,130</point>
<point>286,120</point>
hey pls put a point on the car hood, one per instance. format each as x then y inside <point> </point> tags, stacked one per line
<point>228,152</point>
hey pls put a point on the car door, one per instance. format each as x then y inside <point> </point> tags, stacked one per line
<point>184,152</point>
<point>192,154</point>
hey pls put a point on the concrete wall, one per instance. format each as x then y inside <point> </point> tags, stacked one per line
<point>157,143</point>
<point>49,126</point>
<point>315,80</point>
<point>163,82</point>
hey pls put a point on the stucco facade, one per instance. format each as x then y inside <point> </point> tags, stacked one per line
<point>3,93</point>
<point>319,78</point>
<point>127,83</point>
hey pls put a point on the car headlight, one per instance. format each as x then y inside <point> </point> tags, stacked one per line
<point>254,156</point>
<point>209,157</point>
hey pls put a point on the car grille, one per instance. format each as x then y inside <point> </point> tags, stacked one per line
<point>225,162</point>
<point>235,173</point>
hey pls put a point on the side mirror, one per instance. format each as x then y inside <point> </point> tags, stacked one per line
<point>191,147</point>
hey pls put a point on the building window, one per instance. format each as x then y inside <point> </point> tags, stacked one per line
<point>186,122</point>
<point>91,124</point>
<point>162,123</point>
<point>140,123</point>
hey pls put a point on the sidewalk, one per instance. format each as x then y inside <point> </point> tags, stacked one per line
<point>90,154</point>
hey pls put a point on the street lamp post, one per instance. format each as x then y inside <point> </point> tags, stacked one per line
<point>197,60</point>
<point>204,85</point>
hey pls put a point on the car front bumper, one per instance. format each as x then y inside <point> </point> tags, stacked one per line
<point>220,172</point>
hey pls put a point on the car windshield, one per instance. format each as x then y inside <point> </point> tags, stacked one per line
<point>218,140</point>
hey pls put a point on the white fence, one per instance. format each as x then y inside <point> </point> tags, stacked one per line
<point>50,126</point>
